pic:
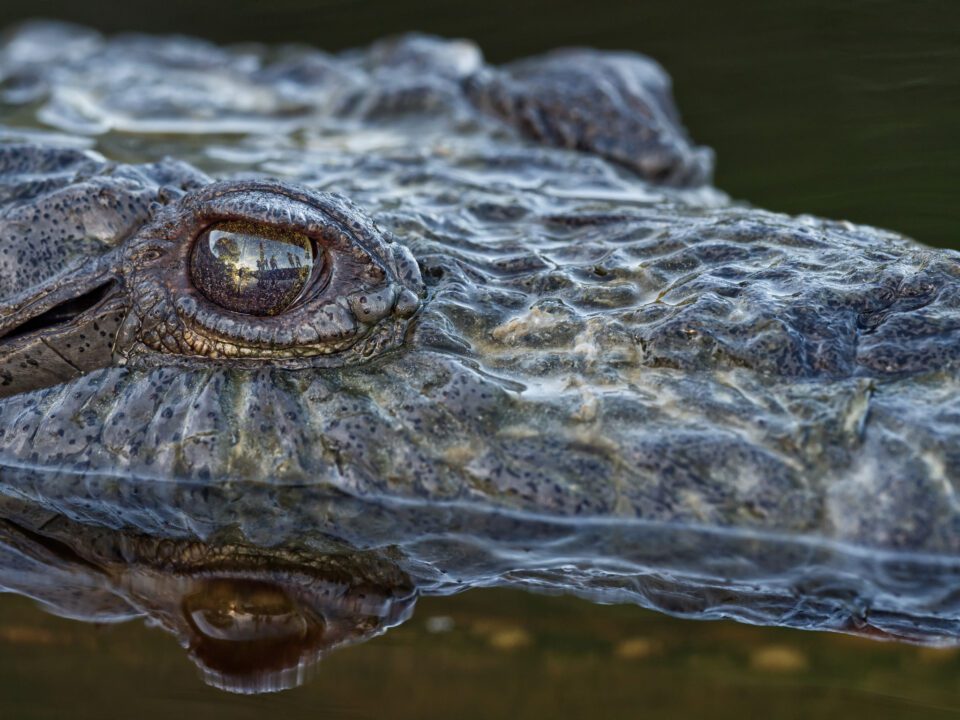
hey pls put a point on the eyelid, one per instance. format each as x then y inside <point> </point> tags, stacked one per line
<point>368,288</point>
<point>322,314</point>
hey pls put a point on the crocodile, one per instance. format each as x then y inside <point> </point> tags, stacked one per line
<point>494,322</point>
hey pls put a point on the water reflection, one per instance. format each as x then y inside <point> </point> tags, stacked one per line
<point>278,581</point>
<point>252,619</point>
<point>252,269</point>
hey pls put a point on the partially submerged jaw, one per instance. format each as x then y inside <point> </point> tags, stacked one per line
<point>151,300</point>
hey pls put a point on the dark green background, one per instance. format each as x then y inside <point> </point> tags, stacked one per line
<point>846,109</point>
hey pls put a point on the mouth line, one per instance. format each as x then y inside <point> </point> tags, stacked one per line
<point>61,332</point>
<point>61,314</point>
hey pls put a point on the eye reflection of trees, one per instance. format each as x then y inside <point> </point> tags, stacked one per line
<point>265,272</point>
<point>227,250</point>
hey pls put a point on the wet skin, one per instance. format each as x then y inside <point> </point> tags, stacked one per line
<point>494,318</point>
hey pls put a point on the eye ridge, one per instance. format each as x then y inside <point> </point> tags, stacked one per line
<point>235,265</point>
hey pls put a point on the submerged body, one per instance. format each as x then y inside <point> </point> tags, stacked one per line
<point>494,318</point>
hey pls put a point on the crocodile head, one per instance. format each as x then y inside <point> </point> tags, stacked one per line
<point>496,293</point>
<point>671,362</point>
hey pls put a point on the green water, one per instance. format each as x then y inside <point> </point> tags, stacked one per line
<point>846,110</point>
<point>505,654</point>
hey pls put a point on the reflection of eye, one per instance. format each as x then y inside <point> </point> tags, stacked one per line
<point>252,269</point>
<point>239,611</point>
<point>239,624</point>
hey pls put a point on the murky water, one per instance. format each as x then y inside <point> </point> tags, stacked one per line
<point>491,654</point>
<point>845,111</point>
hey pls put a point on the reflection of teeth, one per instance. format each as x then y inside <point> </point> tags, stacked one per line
<point>169,343</point>
<point>372,306</point>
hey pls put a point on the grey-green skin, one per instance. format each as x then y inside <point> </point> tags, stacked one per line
<point>589,372</point>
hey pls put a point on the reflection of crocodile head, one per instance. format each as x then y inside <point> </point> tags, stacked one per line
<point>530,304</point>
<point>253,619</point>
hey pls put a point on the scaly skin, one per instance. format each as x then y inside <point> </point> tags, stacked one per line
<point>581,354</point>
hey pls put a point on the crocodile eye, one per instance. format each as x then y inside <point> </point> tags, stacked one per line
<point>252,269</point>
<point>256,270</point>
